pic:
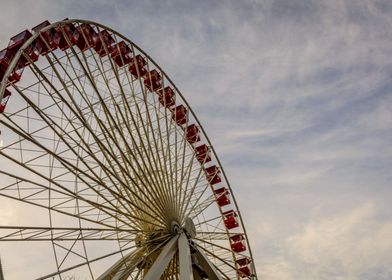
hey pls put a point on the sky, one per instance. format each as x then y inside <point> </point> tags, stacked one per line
<point>296,98</point>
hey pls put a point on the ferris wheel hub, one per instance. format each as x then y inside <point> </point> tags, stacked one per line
<point>190,228</point>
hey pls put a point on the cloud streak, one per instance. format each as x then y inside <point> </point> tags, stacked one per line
<point>296,98</point>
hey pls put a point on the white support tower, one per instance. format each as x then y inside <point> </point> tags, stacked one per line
<point>1,271</point>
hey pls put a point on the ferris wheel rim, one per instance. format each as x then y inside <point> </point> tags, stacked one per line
<point>31,39</point>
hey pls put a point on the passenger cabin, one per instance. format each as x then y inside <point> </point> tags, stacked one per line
<point>179,115</point>
<point>69,36</point>
<point>203,153</point>
<point>104,43</point>
<point>244,269</point>
<point>230,219</point>
<point>222,196</point>
<point>212,173</point>
<point>49,39</point>
<point>166,97</point>
<point>18,40</point>
<point>121,54</point>
<point>88,37</point>
<point>152,80</point>
<point>6,56</point>
<point>4,101</point>
<point>16,75</point>
<point>33,51</point>
<point>192,134</point>
<point>237,243</point>
<point>137,66</point>
<point>243,261</point>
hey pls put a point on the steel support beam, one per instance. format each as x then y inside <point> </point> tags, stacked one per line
<point>207,266</point>
<point>185,258</point>
<point>117,267</point>
<point>163,259</point>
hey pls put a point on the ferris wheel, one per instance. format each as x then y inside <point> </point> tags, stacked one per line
<point>116,173</point>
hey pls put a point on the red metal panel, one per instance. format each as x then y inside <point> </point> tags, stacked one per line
<point>237,243</point>
<point>237,238</point>
<point>192,134</point>
<point>49,39</point>
<point>152,80</point>
<point>230,219</point>
<point>88,37</point>
<point>166,97</point>
<point>203,153</point>
<point>180,115</point>
<point>213,175</point>
<point>244,271</point>
<point>67,31</point>
<point>16,75</point>
<point>222,196</point>
<point>138,66</point>
<point>18,40</point>
<point>121,54</point>
<point>243,261</point>
<point>104,43</point>
<point>6,56</point>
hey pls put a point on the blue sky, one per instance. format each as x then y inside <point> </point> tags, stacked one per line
<point>296,99</point>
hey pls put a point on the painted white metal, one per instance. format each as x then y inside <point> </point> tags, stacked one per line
<point>208,267</point>
<point>185,258</point>
<point>163,259</point>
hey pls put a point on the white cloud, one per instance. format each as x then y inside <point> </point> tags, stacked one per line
<point>351,245</point>
<point>295,95</point>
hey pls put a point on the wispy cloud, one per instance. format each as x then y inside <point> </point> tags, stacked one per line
<point>296,97</point>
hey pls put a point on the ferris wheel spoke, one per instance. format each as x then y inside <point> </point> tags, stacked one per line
<point>154,145</point>
<point>213,235</point>
<point>120,118</point>
<point>148,130</point>
<point>116,159</point>
<point>216,249</point>
<point>199,207</point>
<point>103,142</point>
<point>65,191</point>
<point>224,264</point>
<point>188,195</point>
<point>88,262</point>
<point>72,168</point>
<point>124,267</point>
<point>163,183</point>
<point>28,233</point>
<point>108,161</point>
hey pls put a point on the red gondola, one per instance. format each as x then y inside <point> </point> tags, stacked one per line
<point>121,54</point>
<point>104,43</point>
<point>166,97</point>
<point>180,115</point>
<point>192,134</point>
<point>243,261</point>
<point>152,80</point>
<point>230,219</point>
<point>203,153</point>
<point>237,243</point>
<point>88,37</point>
<point>244,271</point>
<point>49,40</point>
<point>213,175</point>
<point>69,36</point>
<point>137,66</point>
<point>222,196</point>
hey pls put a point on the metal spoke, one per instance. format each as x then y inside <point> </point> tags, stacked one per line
<point>96,139</point>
